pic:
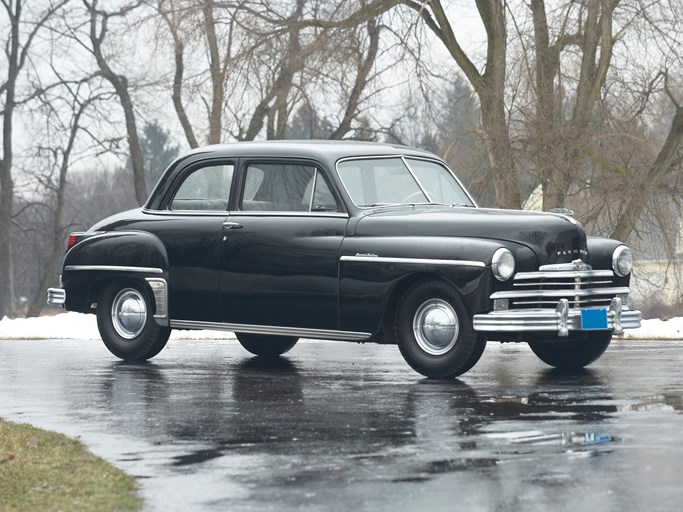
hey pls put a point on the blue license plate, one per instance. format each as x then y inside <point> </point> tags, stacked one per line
<point>594,319</point>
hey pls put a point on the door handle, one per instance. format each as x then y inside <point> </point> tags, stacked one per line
<point>232,225</point>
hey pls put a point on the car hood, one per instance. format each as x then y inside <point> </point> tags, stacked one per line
<point>554,238</point>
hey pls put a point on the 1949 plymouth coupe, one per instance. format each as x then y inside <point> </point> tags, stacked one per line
<point>344,241</point>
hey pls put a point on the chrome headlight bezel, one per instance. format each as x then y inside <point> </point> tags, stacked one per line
<point>503,264</point>
<point>622,261</point>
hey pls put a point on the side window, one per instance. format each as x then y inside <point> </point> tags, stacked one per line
<point>439,182</point>
<point>318,196</point>
<point>207,188</point>
<point>286,187</point>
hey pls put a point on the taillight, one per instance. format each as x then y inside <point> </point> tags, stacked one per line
<point>71,242</point>
<point>79,236</point>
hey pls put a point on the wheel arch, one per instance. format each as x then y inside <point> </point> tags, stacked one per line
<point>388,328</point>
<point>97,260</point>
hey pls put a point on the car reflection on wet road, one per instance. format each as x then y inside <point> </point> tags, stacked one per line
<point>349,427</point>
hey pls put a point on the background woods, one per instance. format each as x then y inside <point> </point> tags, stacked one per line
<point>536,104</point>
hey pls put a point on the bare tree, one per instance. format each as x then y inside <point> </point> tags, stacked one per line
<point>260,61</point>
<point>60,156</point>
<point>17,45</point>
<point>97,34</point>
<point>669,158</point>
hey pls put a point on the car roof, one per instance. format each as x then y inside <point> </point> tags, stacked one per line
<point>324,150</point>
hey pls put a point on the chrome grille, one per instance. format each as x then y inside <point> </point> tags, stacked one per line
<point>543,289</point>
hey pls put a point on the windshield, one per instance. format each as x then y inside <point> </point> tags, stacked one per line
<point>389,181</point>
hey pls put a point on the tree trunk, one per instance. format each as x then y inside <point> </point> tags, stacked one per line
<point>6,180</point>
<point>120,85</point>
<point>217,77</point>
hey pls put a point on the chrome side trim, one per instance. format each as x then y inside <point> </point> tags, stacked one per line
<point>273,330</point>
<point>414,261</point>
<point>114,268</point>
<point>56,296</point>
<point>160,291</point>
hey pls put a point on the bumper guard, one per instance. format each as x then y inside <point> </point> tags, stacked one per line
<point>56,296</point>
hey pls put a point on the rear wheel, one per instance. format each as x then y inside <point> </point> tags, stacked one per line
<point>126,322</point>
<point>265,345</point>
<point>575,353</point>
<point>435,333</point>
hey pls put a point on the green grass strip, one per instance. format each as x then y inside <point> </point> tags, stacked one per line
<point>41,470</point>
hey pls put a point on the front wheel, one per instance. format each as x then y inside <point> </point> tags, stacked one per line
<point>573,354</point>
<point>265,345</point>
<point>435,333</point>
<point>126,322</point>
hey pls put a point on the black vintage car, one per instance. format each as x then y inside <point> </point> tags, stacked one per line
<point>349,241</point>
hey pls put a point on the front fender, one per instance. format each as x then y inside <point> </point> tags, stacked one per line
<point>101,257</point>
<point>372,268</point>
<point>601,251</point>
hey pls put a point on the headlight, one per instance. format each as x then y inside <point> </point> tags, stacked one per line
<point>503,264</point>
<point>622,261</point>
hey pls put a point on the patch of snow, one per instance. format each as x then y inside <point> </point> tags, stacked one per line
<point>78,326</point>
<point>655,328</point>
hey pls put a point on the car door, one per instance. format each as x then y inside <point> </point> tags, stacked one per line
<point>190,226</point>
<point>281,248</point>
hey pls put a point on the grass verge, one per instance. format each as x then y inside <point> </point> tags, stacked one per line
<point>41,470</point>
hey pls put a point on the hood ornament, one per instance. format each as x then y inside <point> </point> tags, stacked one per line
<point>580,265</point>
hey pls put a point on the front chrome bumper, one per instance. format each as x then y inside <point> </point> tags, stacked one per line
<point>56,296</point>
<point>562,319</point>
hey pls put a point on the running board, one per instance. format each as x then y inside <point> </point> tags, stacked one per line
<point>322,334</point>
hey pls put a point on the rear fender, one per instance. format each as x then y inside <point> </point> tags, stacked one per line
<point>126,255</point>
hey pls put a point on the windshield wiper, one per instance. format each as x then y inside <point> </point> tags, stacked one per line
<point>380,205</point>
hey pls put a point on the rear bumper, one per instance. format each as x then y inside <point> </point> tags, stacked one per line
<point>562,319</point>
<point>56,296</point>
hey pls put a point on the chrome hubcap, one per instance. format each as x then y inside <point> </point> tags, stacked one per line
<point>129,313</point>
<point>436,327</point>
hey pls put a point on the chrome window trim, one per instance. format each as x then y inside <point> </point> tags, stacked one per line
<point>210,213</point>
<point>315,183</point>
<point>414,261</point>
<point>272,330</point>
<point>318,171</point>
<point>417,180</point>
<point>336,215</point>
<point>114,268</point>
<point>404,158</point>
<point>187,213</point>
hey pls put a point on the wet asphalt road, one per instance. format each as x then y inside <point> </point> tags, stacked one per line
<point>339,427</point>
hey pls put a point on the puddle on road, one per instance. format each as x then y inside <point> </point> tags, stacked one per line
<point>569,439</point>
<point>654,403</point>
